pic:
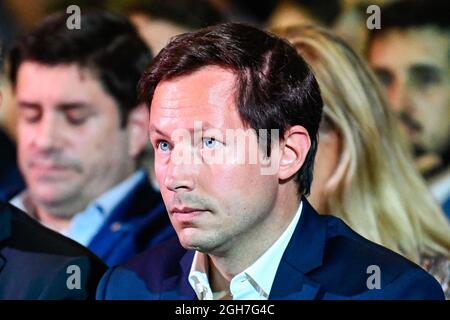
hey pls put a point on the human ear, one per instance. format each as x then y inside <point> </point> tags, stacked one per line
<point>293,151</point>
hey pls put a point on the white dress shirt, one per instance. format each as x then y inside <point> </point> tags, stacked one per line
<point>255,282</point>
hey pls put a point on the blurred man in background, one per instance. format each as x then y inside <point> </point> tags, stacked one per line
<point>81,133</point>
<point>36,263</point>
<point>411,56</point>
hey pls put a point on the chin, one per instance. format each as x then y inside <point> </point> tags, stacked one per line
<point>191,241</point>
<point>52,197</point>
<point>187,242</point>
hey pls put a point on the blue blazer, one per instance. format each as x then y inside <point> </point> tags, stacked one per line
<point>138,223</point>
<point>11,181</point>
<point>35,261</point>
<point>324,259</point>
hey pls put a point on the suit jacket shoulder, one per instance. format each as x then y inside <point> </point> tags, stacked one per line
<point>11,181</point>
<point>326,259</point>
<point>37,263</point>
<point>152,275</point>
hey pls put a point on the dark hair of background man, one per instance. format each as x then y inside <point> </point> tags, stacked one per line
<point>190,14</point>
<point>106,44</point>
<point>407,14</point>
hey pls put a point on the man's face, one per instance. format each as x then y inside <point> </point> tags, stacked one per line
<point>414,67</point>
<point>212,206</point>
<point>70,145</point>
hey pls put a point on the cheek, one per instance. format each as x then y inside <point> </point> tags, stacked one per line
<point>104,141</point>
<point>236,184</point>
<point>219,177</point>
<point>24,134</point>
<point>440,103</point>
<point>24,143</point>
<point>436,99</point>
<point>88,148</point>
<point>160,170</point>
<point>22,154</point>
<point>434,110</point>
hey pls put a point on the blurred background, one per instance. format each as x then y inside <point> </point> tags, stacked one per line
<point>158,20</point>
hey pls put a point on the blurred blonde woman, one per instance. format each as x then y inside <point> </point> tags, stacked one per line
<point>363,171</point>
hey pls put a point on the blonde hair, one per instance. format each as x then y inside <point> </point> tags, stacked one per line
<point>376,188</point>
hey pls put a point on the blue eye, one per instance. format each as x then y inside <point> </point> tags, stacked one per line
<point>209,142</point>
<point>164,146</point>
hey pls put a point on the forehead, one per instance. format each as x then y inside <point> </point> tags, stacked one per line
<point>205,95</point>
<point>402,48</point>
<point>59,83</point>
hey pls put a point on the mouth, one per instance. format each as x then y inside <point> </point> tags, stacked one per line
<point>45,170</point>
<point>187,214</point>
<point>49,167</point>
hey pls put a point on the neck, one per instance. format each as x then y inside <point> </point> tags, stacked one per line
<point>55,221</point>
<point>218,282</point>
<point>246,250</point>
<point>55,215</point>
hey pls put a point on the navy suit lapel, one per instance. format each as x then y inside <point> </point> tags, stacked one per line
<point>5,221</point>
<point>5,228</point>
<point>117,226</point>
<point>303,254</point>
<point>178,287</point>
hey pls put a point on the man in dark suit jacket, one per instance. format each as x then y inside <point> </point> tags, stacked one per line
<point>235,190</point>
<point>82,134</point>
<point>10,179</point>
<point>37,263</point>
<point>325,259</point>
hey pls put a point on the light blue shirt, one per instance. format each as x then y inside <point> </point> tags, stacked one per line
<point>255,282</point>
<point>85,224</point>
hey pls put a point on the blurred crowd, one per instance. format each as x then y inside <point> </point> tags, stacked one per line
<point>383,159</point>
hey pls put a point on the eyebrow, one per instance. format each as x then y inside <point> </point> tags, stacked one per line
<point>382,69</point>
<point>423,67</point>
<point>63,106</point>
<point>205,126</point>
<point>153,129</point>
<point>25,104</point>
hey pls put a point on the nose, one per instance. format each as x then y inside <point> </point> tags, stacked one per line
<point>180,174</point>
<point>400,97</point>
<point>48,134</point>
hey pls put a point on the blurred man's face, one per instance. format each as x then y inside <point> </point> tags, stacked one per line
<point>213,206</point>
<point>414,67</point>
<point>70,145</point>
